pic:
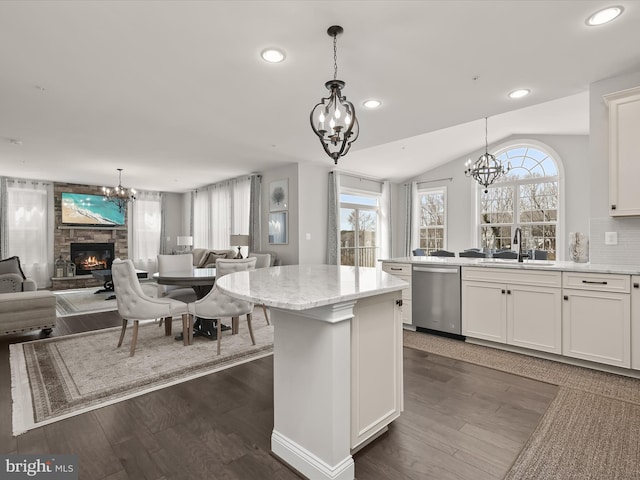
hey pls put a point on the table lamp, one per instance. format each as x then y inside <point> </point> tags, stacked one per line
<point>239,241</point>
<point>185,242</point>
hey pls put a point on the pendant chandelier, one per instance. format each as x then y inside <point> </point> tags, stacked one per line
<point>333,120</point>
<point>119,195</point>
<point>486,169</point>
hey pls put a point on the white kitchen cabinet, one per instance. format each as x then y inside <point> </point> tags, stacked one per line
<point>624,152</point>
<point>635,322</point>
<point>403,272</point>
<point>596,317</point>
<point>513,306</point>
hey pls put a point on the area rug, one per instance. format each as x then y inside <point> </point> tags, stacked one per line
<point>83,301</point>
<point>64,376</point>
<point>591,430</point>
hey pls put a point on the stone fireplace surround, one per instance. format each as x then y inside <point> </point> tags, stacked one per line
<point>64,236</point>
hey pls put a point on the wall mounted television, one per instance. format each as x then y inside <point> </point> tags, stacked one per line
<point>90,210</point>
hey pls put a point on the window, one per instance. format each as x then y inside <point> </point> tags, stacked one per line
<point>432,207</point>
<point>359,227</point>
<point>527,197</point>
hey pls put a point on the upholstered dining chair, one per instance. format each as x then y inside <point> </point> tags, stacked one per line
<point>472,254</point>
<point>505,254</point>
<point>217,305</point>
<point>168,264</point>
<point>134,305</point>
<point>442,253</point>
<point>263,260</point>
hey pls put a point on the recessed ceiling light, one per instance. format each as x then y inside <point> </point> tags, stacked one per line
<point>371,103</point>
<point>272,55</point>
<point>604,16</point>
<point>522,92</point>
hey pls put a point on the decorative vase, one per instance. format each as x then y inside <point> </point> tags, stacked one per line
<point>578,247</point>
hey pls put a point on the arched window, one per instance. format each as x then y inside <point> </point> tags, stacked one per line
<point>526,197</point>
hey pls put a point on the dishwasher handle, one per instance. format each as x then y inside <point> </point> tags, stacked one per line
<point>435,270</point>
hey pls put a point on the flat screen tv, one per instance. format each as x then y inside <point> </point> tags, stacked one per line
<point>85,209</point>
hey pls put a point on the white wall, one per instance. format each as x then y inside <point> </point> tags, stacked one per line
<point>572,150</point>
<point>313,195</point>
<point>174,216</point>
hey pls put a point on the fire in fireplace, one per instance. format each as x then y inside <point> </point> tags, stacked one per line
<point>91,256</point>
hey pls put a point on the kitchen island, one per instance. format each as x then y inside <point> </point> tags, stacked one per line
<point>337,360</point>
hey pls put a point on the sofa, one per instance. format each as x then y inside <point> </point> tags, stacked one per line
<point>13,279</point>
<point>24,311</point>
<point>206,257</point>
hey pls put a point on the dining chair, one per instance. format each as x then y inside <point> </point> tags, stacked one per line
<point>505,254</point>
<point>472,254</point>
<point>263,260</point>
<point>168,264</point>
<point>217,305</point>
<point>419,252</point>
<point>134,305</point>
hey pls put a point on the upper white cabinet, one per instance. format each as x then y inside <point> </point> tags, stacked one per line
<point>624,152</point>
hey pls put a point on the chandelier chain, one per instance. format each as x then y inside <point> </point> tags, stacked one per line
<point>335,57</point>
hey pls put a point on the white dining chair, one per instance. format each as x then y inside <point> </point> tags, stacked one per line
<point>263,260</point>
<point>134,305</point>
<point>217,305</point>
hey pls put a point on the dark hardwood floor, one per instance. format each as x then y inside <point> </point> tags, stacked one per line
<point>461,421</point>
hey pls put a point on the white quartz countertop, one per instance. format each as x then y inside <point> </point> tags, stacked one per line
<point>526,264</point>
<point>300,287</point>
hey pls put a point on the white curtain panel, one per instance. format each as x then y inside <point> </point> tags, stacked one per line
<point>241,209</point>
<point>221,201</point>
<point>145,230</point>
<point>201,219</point>
<point>411,190</point>
<point>333,219</point>
<point>27,213</point>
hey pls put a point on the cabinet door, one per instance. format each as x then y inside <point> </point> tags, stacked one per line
<point>635,322</point>
<point>484,311</point>
<point>534,318</point>
<point>624,152</point>
<point>596,326</point>
<point>403,272</point>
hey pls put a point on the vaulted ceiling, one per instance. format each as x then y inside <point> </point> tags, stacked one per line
<point>176,94</point>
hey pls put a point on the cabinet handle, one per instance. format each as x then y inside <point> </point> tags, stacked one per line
<point>398,269</point>
<point>508,292</point>
<point>566,297</point>
<point>613,207</point>
<point>594,283</point>
<point>636,285</point>
<point>399,303</point>
<point>503,290</point>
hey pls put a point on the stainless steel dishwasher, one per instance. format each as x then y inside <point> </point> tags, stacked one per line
<point>435,294</point>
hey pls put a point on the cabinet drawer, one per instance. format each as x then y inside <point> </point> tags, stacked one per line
<point>602,282</point>
<point>548,278</point>
<point>397,268</point>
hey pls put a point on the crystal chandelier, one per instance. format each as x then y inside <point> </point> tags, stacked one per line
<point>333,120</point>
<point>119,195</point>
<point>486,169</point>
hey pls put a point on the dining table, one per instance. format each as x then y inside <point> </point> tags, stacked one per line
<point>202,281</point>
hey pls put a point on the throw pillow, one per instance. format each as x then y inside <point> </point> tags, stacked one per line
<point>11,265</point>
<point>210,258</point>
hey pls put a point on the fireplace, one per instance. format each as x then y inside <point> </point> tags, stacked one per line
<point>91,256</point>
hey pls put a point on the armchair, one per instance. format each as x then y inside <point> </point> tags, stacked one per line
<point>12,278</point>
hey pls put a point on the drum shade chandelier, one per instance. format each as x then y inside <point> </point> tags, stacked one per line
<point>333,120</point>
<point>119,195</point>
<point>486,169</point>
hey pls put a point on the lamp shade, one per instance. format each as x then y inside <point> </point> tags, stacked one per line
<point>184,240</point>
<point>239,240</point>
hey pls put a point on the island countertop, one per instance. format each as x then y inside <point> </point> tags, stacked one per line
<point>301,287</point>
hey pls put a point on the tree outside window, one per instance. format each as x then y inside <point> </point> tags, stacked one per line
<point>432,219</point>
<point>359,229</point>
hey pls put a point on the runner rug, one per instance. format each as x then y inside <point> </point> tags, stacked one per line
<point>64,376</point>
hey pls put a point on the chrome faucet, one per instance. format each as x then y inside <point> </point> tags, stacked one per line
<point>517,238</point>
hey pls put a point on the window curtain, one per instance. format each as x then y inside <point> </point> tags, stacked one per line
<point>333,219</point>
<point>385,221</point>
<point>411,189</point>
<point>27,226</point>
<point>255,226</point>
<point>145,228</point>
<point>221,210</point>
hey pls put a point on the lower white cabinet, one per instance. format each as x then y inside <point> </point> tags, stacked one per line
<point>596,318</point>
<point>635,322</point>
<point>403,272</point>
<point>513,306</point>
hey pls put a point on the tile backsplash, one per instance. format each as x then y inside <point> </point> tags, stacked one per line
<point>626,252</point>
